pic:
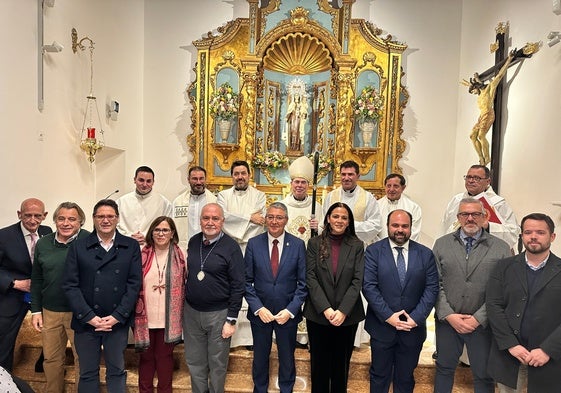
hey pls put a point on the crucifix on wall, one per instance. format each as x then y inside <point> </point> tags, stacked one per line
<point>488,85</point>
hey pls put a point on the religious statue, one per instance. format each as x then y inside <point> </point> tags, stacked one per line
<point>485,103</point>
<point>296,115</point>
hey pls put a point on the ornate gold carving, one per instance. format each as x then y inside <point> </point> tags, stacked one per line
<point>531,47</point>
<point>225,150</point>
<point>299,16</point>
<point>298,54</point>
<point>494,46</point>
<point>270,178</point>
<point>331,56</point>
<point>502,28</point>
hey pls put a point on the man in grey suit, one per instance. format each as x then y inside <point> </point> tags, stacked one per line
<point>465,259</point>
<point>523,305</point>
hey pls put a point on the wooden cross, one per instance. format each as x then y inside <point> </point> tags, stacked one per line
<point>477,83</point>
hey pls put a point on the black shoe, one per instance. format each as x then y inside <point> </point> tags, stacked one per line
<point>301,346</point>
<point>434,355</point>
<point>39,363</point>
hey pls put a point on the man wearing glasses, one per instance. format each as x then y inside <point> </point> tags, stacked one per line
<point>102,281</point>
<point>465,259</point>
<point>275,289</point>
<point>501,220</point>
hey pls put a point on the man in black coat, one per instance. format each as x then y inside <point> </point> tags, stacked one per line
<point>102,281</point>
<point>522,300</point>
<point>17,243</point>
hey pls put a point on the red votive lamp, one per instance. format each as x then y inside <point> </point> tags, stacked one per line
<point>91,133</point>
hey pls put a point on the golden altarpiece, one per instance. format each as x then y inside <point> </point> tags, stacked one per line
<point>297,67</point>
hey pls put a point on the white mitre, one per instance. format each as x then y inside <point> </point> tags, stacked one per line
<point>302,167</point>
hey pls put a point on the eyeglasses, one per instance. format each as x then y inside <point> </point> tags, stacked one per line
<point>476,179</point>
<point>165,231</point>
<point>272,218</point>
<point>474,214</point>
<point>109,217</point>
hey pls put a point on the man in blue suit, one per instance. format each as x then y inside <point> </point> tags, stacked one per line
<point>275,291</point>
<point>17,243</point>
<point>400,285</point>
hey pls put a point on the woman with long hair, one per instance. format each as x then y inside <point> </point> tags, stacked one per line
<point>159,309</point>
<point>333,309</point>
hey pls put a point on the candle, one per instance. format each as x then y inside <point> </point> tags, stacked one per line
<point>91,133</point>
<point>323,194</point>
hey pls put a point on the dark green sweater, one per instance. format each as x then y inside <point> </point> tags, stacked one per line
<point>46,276</point>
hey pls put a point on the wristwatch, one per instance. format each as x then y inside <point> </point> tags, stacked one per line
<point>231,321</point>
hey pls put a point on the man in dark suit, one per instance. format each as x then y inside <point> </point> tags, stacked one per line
<point>400,285</point>
<point>102,282</point>
<point>17,243</point>
<point>275,291</point>
<point>522,302</point>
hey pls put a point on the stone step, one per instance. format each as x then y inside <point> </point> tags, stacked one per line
<point>238,379</point>
<point>239,371</point>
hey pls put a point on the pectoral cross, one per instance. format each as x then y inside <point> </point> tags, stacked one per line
<point>159,288</point>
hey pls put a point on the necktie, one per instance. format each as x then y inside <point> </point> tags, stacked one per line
<point>469,244</point>
<point>400,265</point>
<point>275,257</point>
<point>33,237</point>
<point>206,242</point>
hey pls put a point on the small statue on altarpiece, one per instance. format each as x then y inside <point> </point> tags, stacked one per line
<point>296,115</point>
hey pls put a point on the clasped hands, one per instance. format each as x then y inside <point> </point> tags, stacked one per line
<point>462,323</point>
<point>534,358</point>
<point>335,317</point>
<point>267,316</point>
<point>103,324</point>
<point>405,323</point>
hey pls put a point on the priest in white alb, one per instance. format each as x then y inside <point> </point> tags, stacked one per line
<point>394,185</point>
<point>188,205</point>
<point>139,208</point>
<point>244,218</point>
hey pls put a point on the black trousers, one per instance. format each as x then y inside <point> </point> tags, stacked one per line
<point>331,348</point>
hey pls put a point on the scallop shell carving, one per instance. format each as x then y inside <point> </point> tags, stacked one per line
<point>298,54</point>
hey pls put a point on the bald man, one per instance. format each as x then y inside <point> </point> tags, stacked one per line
<point>17,245</point>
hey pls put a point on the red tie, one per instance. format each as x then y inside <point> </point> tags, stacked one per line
<point>275,258</point>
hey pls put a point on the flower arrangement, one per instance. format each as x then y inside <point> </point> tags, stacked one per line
<point>368,105</point>
<point>325,164</point>
<point>224,103</point>
<point>270,160</point>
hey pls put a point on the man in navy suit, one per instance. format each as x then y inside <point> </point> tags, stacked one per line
<point>400,285</point>
<point>275,291</point>
<point>17,244</point>
<point>102,281</point>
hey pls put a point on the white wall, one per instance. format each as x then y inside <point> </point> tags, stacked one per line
<point>144,58</point>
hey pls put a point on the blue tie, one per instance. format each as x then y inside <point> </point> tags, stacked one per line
<point>469,243</point>
<point>400,265</point>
